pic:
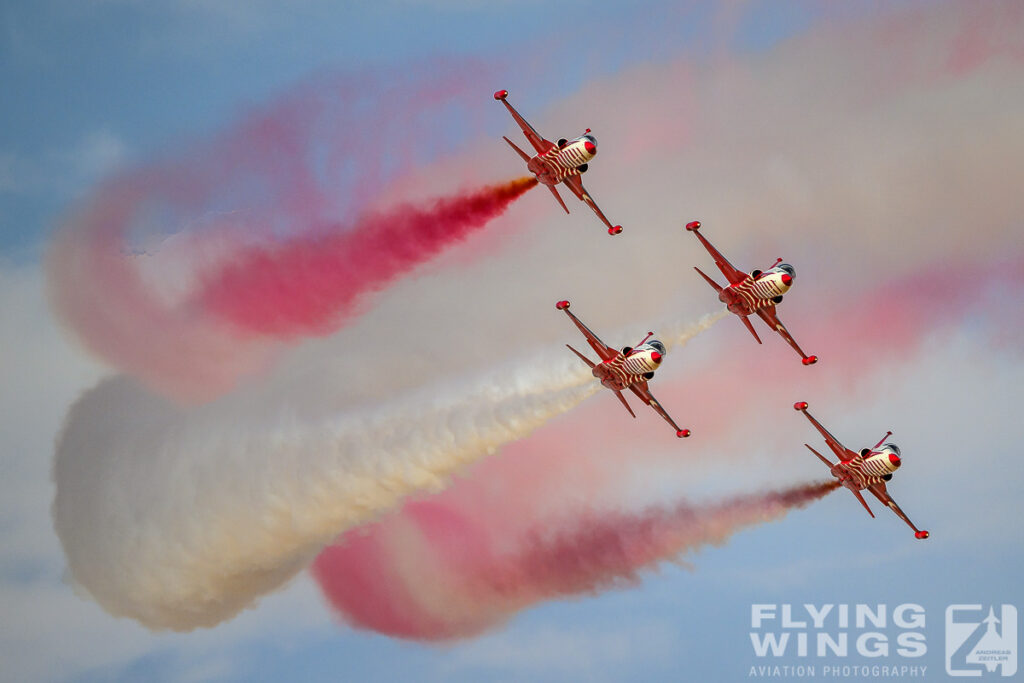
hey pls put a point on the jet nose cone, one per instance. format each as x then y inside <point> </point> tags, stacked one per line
<point>655,356</point>
<point>894,459</point>
<point>787,279</point>
<point>590,147</point>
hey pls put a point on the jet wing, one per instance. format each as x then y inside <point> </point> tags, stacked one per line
<point>603,350</point>
<point>733,275</point>
<point>575,184</point>
<point>535,138</point>
<point>841,451</point>
<point>770,317</point>
<point>883,495</point>
<point>644,394</point>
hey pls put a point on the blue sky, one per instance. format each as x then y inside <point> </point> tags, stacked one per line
<point>99,85</point>
<point>94,88</point>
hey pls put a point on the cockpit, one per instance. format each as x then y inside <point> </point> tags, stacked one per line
<point>789,269</point>
<point>657,346</point>
<point>590,137</point>
<point>892,447</point>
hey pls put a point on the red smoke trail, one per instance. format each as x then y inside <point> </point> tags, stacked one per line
<point>433,573</point>
<point>601,551</point>
<point>125,269</point>
<point>308,285</point>
<point>194,350</point>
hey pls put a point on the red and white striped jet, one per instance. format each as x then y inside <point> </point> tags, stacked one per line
<point>756,293</point>
<point>869,469</point>
<point>629,368</point>
<point>561,162</point>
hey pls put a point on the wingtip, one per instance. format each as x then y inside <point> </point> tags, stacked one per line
<point>562,305</point>
<point>810,360</point>
<point>693,225</point>
<point>683,433</point>
<point>922,534</point>
<point>501,94</point>
<point>800,405</point>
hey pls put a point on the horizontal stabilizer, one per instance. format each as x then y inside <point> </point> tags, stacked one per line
<point>518,151</point>
<point>558,197</point>
<point>625,403</point>
<point>863,502</point>
<point>582,357</point>
<point>746,321</point>
<point>820,456</point>
<point>714,285</point>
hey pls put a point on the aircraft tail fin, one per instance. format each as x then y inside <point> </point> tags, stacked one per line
<point>625,403</point>
<point>518,151</point>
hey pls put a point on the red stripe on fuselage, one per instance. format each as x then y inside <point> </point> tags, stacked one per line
<point>864,472</point>
<point>620,372</point>
<point>751,295</point>
<point>555,165</point>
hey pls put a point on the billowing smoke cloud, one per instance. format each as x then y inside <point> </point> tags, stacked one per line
<point>195,348</point>
<point>188,273</point>
<point>436,573</point>
<point>182,516</point>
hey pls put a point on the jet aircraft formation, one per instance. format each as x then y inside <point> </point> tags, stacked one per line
<point>757,293</point>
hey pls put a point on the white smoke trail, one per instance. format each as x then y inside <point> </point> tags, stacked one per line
<point>181,517</point>
<point>677,333</point>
